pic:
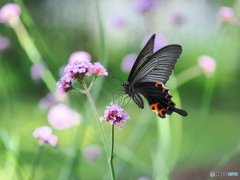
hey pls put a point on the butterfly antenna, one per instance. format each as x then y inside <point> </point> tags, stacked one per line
<point>114,75</point>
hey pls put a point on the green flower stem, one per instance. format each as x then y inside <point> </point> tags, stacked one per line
<point>101,130</point>
<point>111,155</point>
<point>91,84</point>
<point>32,52</point>
<point>36,161</point>
<point>184,77</point>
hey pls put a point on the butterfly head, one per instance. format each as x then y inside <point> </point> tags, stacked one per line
<point>126,87</point>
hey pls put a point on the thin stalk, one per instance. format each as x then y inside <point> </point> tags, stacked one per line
<point>36,161</point>
<point>100,128</point>
<point>111,155</point>
<point>32,52</point>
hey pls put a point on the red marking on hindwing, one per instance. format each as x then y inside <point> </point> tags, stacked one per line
<point>155,107</point>
<point>158,84</point>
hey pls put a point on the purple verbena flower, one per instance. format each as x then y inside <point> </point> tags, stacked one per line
<point>97,69</point>
<point>45,136</point>
<point>9,11</point>
<point>64,85</point>
<point>77,69</point>
<point>115,115</point>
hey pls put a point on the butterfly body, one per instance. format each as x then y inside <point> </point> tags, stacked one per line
<point>149,74</point>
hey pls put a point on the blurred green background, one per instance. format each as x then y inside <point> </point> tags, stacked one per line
<point>207,139</point>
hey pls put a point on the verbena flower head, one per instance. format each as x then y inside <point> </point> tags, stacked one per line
<point>226,14</point>
<point>64,85</point>
<point>115,115</point>
<point>97,69</point>
<point>62,117</point>
<point>207,64</point>
<point>80,55</point>
<point>128,62</point>
<point>45,136</point>
<point>9,11</point>
<point>77,69</point>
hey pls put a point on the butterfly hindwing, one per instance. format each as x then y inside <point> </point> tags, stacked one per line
<point>158,98</point>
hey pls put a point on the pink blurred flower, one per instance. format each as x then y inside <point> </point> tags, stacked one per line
<point>97,69</point>
<point>207,64</point>
<point>145,5</point>
<point>37,71</point>
<point>45,136</point>
<point>9,11</point>
<point>64,85</point>
<point>119,21</point>
<point>92,153</point>
<point>128,62</point>
<point>115,115</point>
<point>79,55</point>
<point>62,117</point>
<point>159,42</point>
<point>47,101</point>
<point>226,14</point>
<point>4,43</point>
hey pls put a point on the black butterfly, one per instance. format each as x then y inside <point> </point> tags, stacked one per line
<point>149,74</point>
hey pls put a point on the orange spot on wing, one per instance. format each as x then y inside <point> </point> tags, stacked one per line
<point>158,84</point>
<point>155,108</point>
<point>164,89</point>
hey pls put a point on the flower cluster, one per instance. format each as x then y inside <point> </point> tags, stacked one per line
<point>77,69</point>
<point>115,115</point>
<point>45,136</point>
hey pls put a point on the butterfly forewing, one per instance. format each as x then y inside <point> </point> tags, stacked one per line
<point>142,57</point>
<point>159,66</point>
